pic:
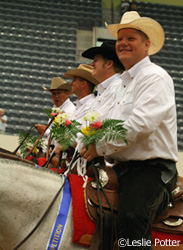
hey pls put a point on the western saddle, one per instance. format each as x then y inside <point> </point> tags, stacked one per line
<point>101,197</point>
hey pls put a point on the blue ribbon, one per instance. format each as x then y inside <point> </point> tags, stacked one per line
<point>61,219</point>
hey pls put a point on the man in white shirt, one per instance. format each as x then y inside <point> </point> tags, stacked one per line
<point>83,84</point>
<point>106,69</point>
<point>3,121</point>
<point>60,91</point>
<point>146,102</point>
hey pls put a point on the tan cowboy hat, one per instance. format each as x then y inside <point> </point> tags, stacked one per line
<point>152,29</point>
<point>58,83</point>
<point>84,71</point>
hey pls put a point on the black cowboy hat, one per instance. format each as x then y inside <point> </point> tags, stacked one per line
<point>107,49</point>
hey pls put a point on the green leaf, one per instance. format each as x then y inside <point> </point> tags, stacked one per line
<point>48,112</point>
<point>111,130</point>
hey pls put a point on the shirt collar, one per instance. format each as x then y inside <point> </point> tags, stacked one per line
<point>135,69</point>
<point>105,84</point>
<point>132,72</point>
<point>84,99</point>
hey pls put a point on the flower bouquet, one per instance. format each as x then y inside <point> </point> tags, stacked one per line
<point>64,130</point>
<point>28,144</point>
<point>110,129</point>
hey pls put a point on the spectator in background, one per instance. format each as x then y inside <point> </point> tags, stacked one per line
<point>133,6</point>
<point>125,5</point>
<point>60,91</point>
<point>3,121</point>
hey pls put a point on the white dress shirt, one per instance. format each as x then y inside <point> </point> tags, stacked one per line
<point>67,107</point>
<point>106,95</point>
<point>82,107</point>
<point>146,103</point>
<point>3,124</point>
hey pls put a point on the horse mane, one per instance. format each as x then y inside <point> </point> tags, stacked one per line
<point>29,164</point>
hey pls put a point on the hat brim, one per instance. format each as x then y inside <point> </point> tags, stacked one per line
<point>65,86</point>
<point>81,73</point>
<point>92,52</point>
<point>148,26</point>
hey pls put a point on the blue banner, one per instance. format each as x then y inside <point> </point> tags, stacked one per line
<point>61,219</point>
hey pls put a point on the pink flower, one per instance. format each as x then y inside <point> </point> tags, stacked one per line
<point>97,125</point>
<point>53,114</point>
<point>67,123</point>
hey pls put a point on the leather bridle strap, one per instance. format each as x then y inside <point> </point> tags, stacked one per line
<point>103,220</point>
<point>28,154</point>
<point>100,225</point>
<point>28,133</point>
<point>59,161</point>
<point>41,219</point>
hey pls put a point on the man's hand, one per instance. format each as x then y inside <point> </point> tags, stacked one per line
<point>40,128</point>
<point>58,149</point>
<point>89,154</point>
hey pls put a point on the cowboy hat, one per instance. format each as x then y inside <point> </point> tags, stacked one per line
<point>84,71</point>
<point>58,83</point>
<point>151,28</point>
<point>107,49</point>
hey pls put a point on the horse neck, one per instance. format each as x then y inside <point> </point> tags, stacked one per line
<point>25,192</point>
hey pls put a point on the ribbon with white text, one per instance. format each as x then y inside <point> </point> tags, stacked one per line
<point>61,219</point>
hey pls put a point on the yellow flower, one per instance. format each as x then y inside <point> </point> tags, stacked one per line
<point>35,150</point>
<point>88,131</point>
<point>55,120</point>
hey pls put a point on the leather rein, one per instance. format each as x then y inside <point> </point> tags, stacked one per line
<point>98,241</point>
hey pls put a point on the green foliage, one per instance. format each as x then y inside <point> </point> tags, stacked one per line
<point>28,144</point>
<point>110,130</point>
<point>65,135</point>
<point>48,112</point>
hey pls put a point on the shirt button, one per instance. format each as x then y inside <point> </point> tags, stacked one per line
<point>124,86</point>
<point>118,102</point>
<point>103,153</point>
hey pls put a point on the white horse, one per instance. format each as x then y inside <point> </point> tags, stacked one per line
<point>26,191</point>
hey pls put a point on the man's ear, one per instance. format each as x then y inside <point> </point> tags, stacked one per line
<point>147,44</point>
<point>84,83</point>
<point>109,63</point>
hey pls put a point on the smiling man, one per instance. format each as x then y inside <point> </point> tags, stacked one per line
<point>146,103</point>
